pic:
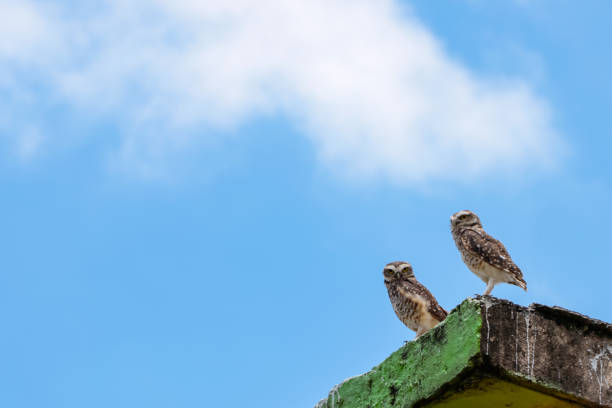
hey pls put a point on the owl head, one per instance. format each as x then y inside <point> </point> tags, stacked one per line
<point>464,218</point>
<point>397,270</point>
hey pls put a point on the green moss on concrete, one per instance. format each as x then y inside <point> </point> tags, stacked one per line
<point>420,368</point>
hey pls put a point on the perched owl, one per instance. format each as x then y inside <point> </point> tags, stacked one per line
<point>413,303</point>
<point>483,254</point>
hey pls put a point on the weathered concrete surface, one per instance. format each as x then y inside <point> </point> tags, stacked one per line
<point>549,347</point>
<point>488,351</point>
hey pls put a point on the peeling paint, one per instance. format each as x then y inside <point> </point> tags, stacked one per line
<point>321,404</point>
<point>334,395</point>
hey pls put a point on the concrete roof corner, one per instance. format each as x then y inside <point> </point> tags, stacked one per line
<point>492,352</point>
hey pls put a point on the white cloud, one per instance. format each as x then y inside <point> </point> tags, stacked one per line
<point>367,83</point>
<point>22,30</point>
<point>29,143</point>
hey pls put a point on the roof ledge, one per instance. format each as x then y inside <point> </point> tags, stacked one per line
<point>491,352</point>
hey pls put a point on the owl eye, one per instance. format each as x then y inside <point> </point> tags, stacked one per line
<point>463,216</point>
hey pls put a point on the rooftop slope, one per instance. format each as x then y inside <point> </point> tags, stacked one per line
<point>490,352</point>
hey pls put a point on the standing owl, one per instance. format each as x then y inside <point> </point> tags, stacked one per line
<point>483,254</point>
<point>412,302</point>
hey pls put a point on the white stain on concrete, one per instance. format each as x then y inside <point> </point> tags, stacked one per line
<point>599,365</point>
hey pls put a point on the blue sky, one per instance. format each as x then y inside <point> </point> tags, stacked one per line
<point>199,199</point>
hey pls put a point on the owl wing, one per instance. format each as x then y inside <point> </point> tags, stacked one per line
<point>491,251</point>
<point>412,287</point>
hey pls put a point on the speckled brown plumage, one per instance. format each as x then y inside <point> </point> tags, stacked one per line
<point>415,306</point>
<point>484,255</point>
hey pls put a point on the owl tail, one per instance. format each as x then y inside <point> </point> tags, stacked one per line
<point>520,282</point>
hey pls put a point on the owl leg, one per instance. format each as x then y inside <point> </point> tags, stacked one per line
<point>420,332</point>
<point>490,285</point>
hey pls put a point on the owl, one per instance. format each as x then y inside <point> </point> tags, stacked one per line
<point>412,302</point>
<point>483,254</point>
